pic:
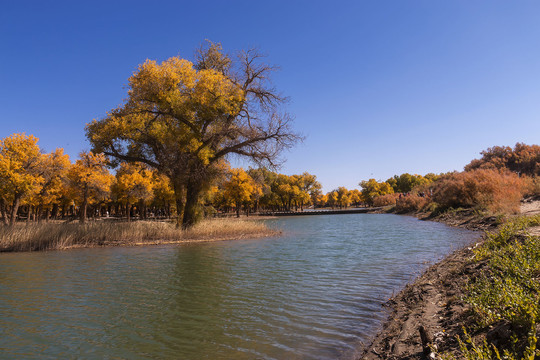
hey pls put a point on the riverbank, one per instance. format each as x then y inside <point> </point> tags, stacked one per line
<point>63,236</point>
<point>458,292</point>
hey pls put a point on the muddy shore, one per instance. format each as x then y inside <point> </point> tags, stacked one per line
<point>432,303</point>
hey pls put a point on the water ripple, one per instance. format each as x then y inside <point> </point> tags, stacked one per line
<point>314,293</point>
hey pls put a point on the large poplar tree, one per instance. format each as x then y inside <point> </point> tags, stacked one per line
<point>183,118</point>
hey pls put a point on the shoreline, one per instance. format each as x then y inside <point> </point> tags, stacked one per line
<point>432,303</point>
<point>66,236</point>
<point>167,242</point>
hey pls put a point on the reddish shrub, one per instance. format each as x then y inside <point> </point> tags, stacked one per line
<point>411,203</point>
<point>486,189</point>
<point>384,200</point>
<point>533,186</point>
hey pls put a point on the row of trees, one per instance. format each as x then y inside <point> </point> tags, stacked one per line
<point>496,182</point>
<point>48,184</point>
<point>41,185</point>
<point>262,189</point>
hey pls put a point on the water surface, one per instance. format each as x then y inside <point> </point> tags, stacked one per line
<point>314,293</point>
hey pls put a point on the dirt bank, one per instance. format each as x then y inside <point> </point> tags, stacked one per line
<point>433,302</point>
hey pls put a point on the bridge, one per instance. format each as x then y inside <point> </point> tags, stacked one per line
<point>321,212</point>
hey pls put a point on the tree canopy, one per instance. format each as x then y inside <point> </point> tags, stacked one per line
<point>183,118</point>
<point>523,159</point>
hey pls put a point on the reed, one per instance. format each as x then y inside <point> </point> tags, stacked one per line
<point>60,236</point>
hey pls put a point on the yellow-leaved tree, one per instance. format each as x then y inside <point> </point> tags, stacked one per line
<point>183,118</point>
<point>241,188</point>
<point>343,198</point>
<point>90,181</point>
<point>373,188</point>
<point>163,193</point>
<point>134,182</point>
<point>54,171</point>
<point>20,173</point>
<point>355,196</point>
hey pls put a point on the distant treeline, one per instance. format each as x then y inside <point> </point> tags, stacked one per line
<point>494,183</point>
<point>36,186</point>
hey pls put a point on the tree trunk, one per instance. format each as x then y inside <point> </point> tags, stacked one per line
<point>179,200</point>
<point>14,210</point>
<point>128,212</point>
<point>193,190</point>
<point>54,212</point>
<point>3,212</point>
<point>142,211</point>
<point>83,209</point>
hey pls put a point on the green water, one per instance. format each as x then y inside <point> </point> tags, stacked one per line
<point>314,293</point>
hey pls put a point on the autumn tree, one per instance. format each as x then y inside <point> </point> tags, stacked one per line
<point>182,118</point>
<point>332,199</point>
<point>343,198</point>
<point>89,180</point>
<point>265,178</point>
<point>404,183</point>
<point>310,188</point>
<point>240,188</point>
<point>373,188</point>
<point>523,159</point>
<point>54,169</point>
<point>133,184</point>
<point>163,193</point>
<point>355,197</point>
<point>20,172</point>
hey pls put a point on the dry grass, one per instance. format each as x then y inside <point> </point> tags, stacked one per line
<point>59,236</point>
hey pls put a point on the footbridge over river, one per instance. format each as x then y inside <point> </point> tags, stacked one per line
<point>321,212</point>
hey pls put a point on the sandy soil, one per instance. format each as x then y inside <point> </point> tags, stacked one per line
<point>432,303</point>
<point>531,207</point>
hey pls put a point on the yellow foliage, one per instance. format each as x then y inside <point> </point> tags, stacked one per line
<point>89,178</point>
<point>20,167</point>
<point>372,188</point>
<point>241,187</point>
<point>133,183</point>
<point>54,171</point>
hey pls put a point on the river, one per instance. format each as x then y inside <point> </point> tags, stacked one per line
<point>313,293</point>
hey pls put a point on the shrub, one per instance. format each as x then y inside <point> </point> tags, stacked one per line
<point>533,186</point>
<point>411,203</point>
<point>384,200</point>
<point>483,189</point>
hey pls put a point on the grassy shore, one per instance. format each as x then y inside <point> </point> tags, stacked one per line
<point>61,236</point>
<point>504,296</point>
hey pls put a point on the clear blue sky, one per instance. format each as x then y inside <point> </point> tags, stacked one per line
<point>377,87</point>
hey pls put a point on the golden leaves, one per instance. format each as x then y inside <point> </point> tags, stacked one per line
<point>20,165</point>
<point>89,178</point>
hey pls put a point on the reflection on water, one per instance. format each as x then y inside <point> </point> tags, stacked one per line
<point>314,293</point>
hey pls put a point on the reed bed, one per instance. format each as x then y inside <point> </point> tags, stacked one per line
<point>60,236</point>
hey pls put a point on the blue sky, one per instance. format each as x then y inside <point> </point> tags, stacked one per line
<point>377,87</point>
